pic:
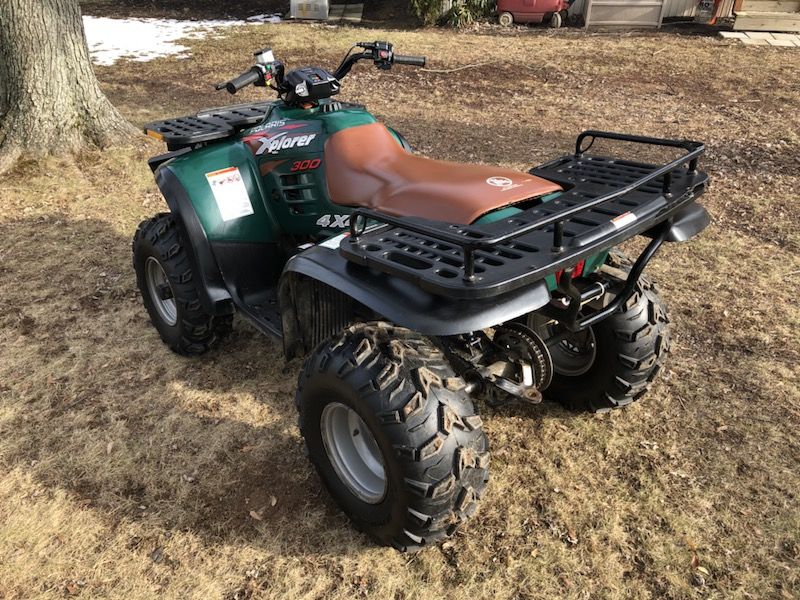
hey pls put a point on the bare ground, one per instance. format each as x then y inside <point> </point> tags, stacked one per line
<point>126,471</point>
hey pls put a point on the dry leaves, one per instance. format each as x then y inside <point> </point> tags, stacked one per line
<point>258,515</point>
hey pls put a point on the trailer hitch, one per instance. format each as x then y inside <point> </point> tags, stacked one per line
<point>570,318</point>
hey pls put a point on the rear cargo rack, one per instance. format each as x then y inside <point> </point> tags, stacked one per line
<point>208,125</point>
<point>606,201</point>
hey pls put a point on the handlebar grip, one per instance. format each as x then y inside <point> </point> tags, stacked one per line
<point>243,80</point>
<point>414,61</point>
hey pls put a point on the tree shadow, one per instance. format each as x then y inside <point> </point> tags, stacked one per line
<point>97,406</point>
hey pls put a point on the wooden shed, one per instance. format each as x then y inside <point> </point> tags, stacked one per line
<point>767,15</point>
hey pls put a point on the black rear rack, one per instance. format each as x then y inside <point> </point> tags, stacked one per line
<point>208,125</point>
<point>606,201</point>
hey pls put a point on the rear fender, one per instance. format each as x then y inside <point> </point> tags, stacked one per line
<point>349,289</point>
<point>688,222</point>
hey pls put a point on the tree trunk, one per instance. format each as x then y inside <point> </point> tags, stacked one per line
<point>50,101</point>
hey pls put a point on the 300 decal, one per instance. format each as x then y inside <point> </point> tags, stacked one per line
<point>334,221</point>
<point>306,165</point>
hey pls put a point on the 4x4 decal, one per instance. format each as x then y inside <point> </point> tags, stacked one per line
<point>340,221</point>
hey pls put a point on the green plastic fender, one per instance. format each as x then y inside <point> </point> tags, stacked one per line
<point>191,171</point>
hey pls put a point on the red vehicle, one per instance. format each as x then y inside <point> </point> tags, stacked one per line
<point>533,11</point>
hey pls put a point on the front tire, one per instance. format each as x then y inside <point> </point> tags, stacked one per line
<point>393,434</point>
<point>165,279</point>
<point>614,362</point>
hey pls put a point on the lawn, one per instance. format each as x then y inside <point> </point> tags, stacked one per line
<point>127,471</point>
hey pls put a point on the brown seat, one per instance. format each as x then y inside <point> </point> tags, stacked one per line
<point>366,167</point>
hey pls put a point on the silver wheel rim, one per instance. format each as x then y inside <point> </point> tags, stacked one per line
<point>353,452</point>
<point>575,354</point>
<point>156,280</point>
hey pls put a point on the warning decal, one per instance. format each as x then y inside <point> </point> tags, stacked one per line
<point>624,219</point>
<point>230,193</point>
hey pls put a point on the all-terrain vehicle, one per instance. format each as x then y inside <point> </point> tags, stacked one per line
<point>411,287</point>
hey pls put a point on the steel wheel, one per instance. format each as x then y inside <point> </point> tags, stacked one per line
<point>160,291</point>
<point>353,452</point>
<point>506,19</point>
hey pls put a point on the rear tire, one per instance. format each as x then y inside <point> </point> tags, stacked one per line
<point>165,279</point>
<point>630,348</point>
<point>556,20</point>
<point>422,428</point>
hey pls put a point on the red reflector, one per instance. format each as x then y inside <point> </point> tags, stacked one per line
<point>577,271</point>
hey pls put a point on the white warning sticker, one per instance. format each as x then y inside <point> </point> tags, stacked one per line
<point>624,219</point>
<point>230,193</point>
<point>335,241</point>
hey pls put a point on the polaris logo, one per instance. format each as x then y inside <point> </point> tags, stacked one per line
<point>270,125</point>
<point>499,181</point>
<point>503,182</point>
<point>282,141</point>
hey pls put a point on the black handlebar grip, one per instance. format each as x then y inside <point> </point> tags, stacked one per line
<point>243,80</point>
<point>414,61</point>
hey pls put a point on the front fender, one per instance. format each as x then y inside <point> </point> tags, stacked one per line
<point>207,277</point>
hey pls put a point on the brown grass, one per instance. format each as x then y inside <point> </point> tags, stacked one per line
<point>127,472</point>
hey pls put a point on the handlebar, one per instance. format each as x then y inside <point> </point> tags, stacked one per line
<point>381,53</point>
<point>268,69</point>
<point>254,75</point>
<point>414,61</point>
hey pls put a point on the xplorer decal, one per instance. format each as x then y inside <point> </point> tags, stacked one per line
<point>281,137</point>
<point>284,141</point>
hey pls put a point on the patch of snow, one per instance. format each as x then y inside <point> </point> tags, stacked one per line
<point>266,18</point>
<point>145,39</point>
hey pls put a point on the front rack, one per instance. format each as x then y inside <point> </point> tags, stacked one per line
<point>208,125</point>
<point>606,201</point>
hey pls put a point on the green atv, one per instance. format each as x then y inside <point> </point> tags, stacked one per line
<point>411,286</point>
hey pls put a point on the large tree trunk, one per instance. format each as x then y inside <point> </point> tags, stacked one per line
<point>50,101</point>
